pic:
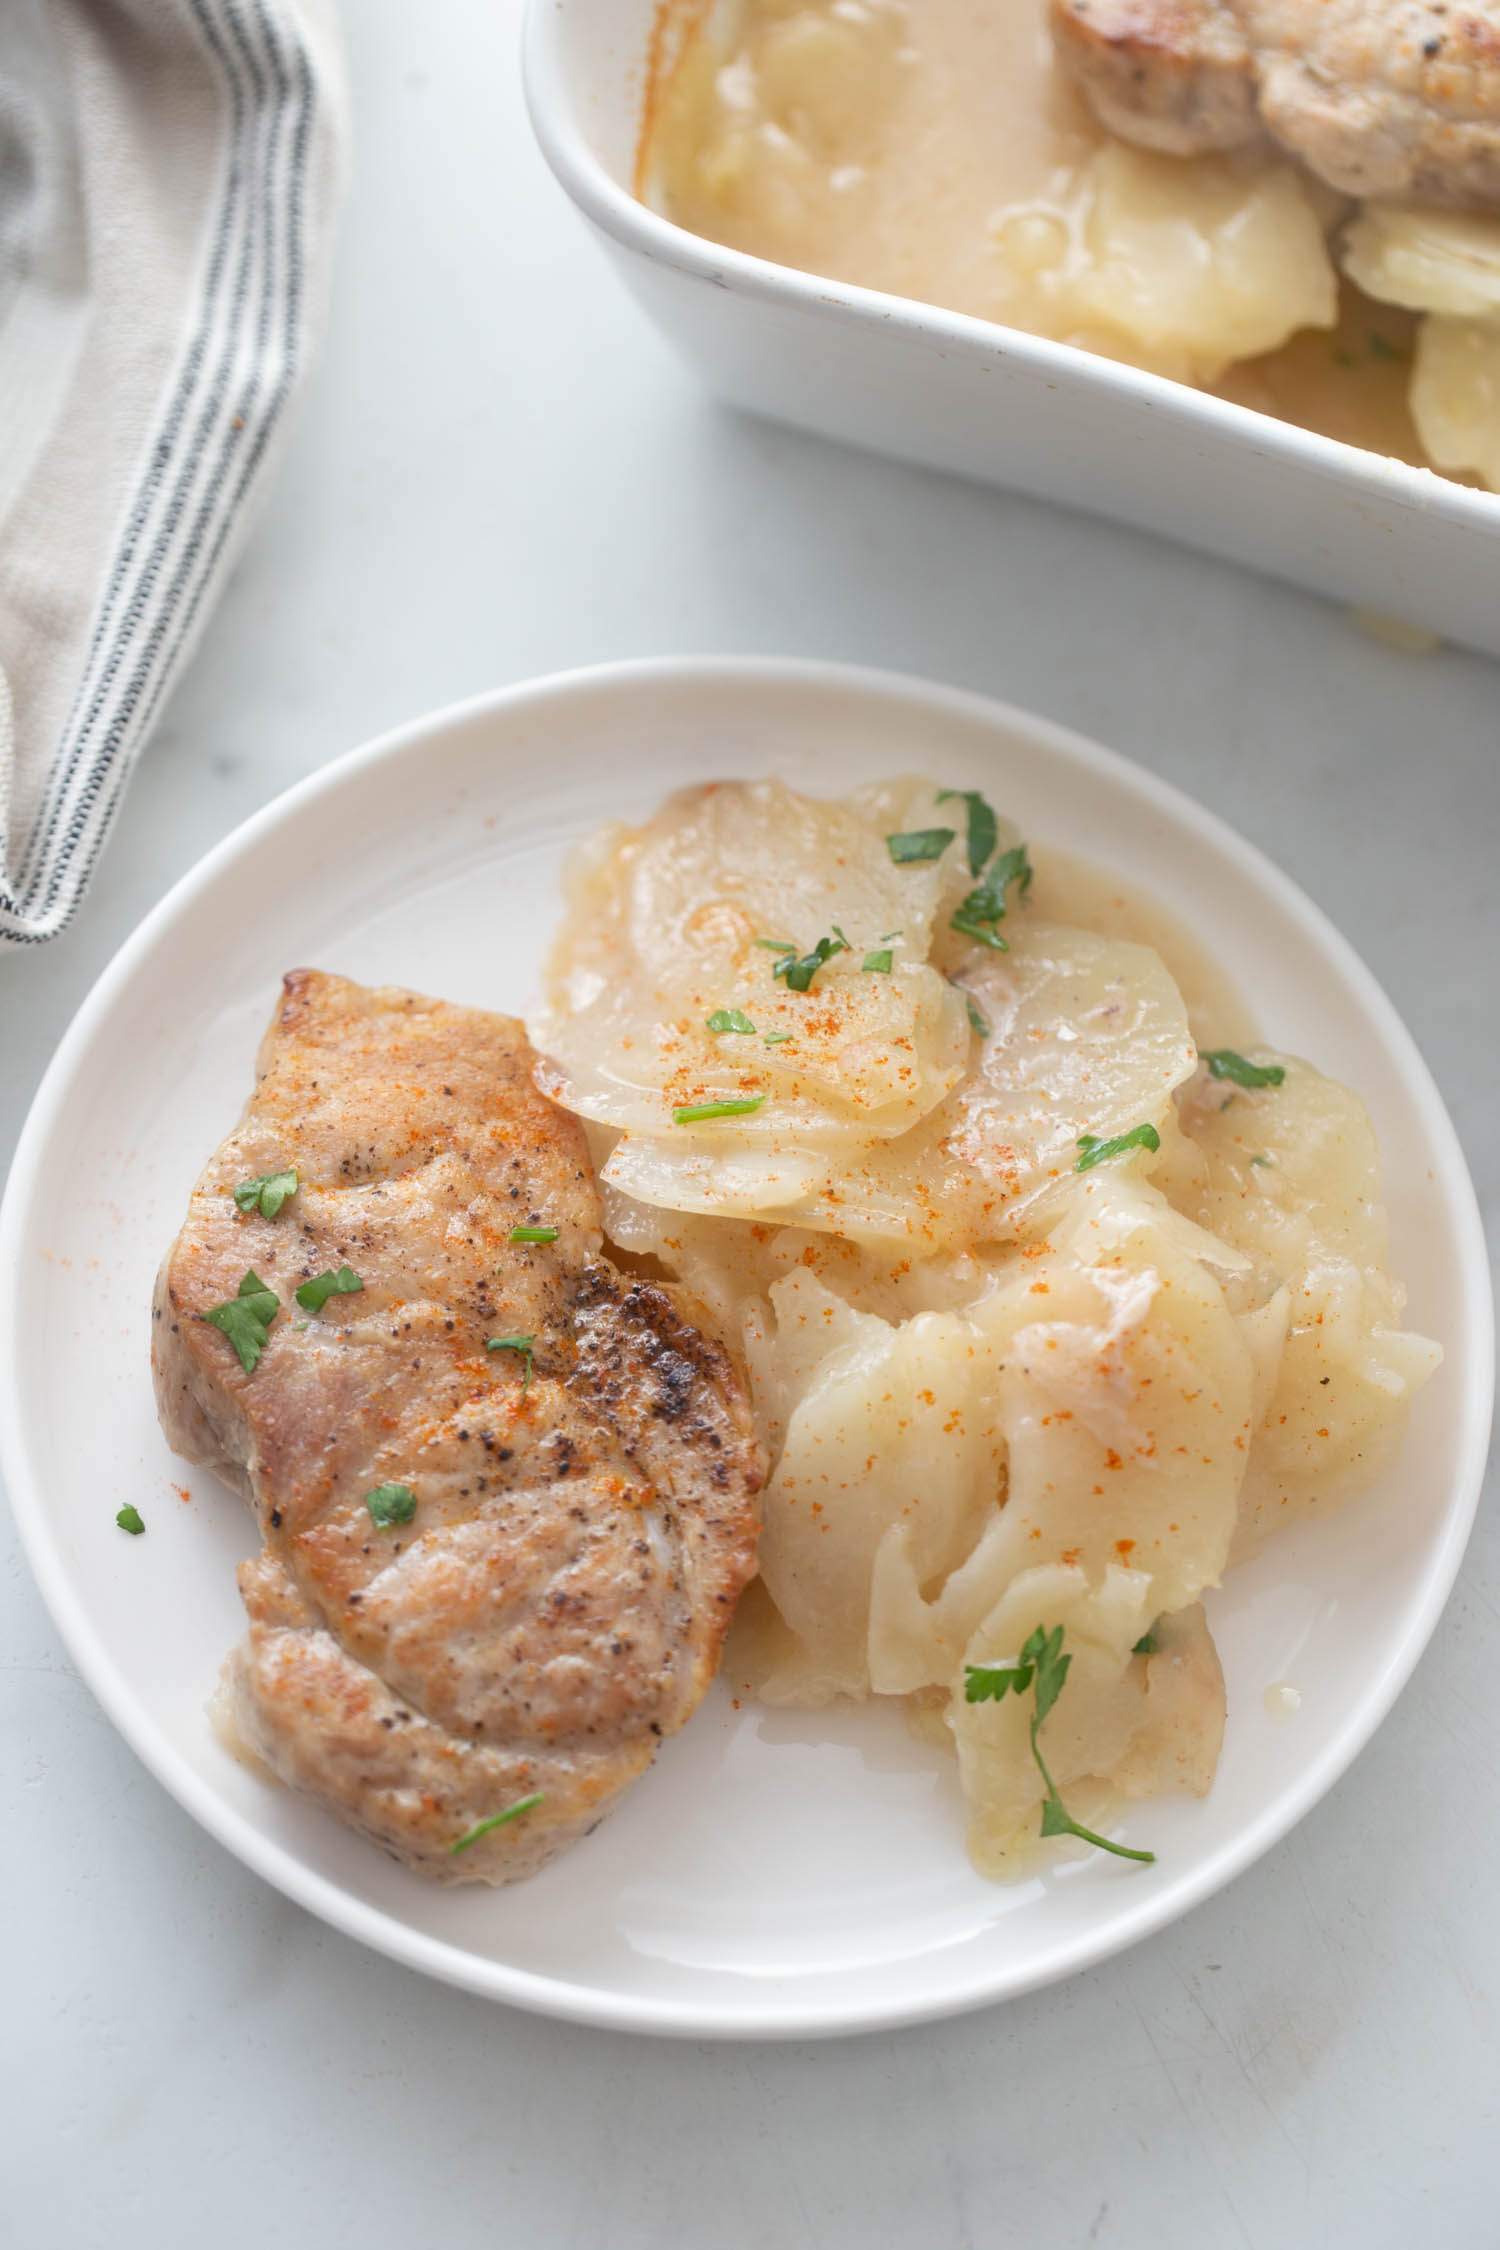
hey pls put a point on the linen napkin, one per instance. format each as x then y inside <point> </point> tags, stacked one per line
<point>169,173</point>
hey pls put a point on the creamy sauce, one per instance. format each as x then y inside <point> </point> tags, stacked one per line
<point>932,149</point>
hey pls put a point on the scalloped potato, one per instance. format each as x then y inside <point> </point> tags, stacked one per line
<point>938,152</point>
<point>1294,1183</point>
<point>1428,261</point>
<point>1078,1032</point>
<point>1090,1317</point>
<point>1455,395</point>
<point>793,135</point>
<point>1445,264</point>
<point>667,918</point>
<point>1185,266</point>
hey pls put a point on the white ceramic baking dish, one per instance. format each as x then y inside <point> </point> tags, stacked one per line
<point>984,401</point>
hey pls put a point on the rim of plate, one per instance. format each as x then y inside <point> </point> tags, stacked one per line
<point>543,1995</point>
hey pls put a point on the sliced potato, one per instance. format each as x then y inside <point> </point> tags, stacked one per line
<point>1126,1726</point>
<point>1177,1745</point>
<point>678,922</point>
<point>1455,395</point>
<point>1188,265</point>
<point>1292,1178</point>
<point>878,1425</point>
<point>1123,1396</point>
<point>1445,264</point>
<point>1427,260</point>
<point>1082,1035</point>
<point>729,1263</point>
<point>1089,1730</point>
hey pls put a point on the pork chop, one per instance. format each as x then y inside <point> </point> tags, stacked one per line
<point>488,1574</point>
<point>1379,98</point>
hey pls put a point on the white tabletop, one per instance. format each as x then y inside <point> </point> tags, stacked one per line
<point>499,471</point>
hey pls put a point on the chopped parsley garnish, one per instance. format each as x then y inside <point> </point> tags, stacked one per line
<point>976,1020</point>
<point>391,1503</point>
<point>1260,1160</point>
<point>268,1193</point>
<point>1147,1645</point>
<point>776,1038</point>
<point>984,829</point>
<point>798,975</point>
<point>776,944</point>
<point>130,1519</point>
<point>699,1113</point>
<point>534,1234</point>
<point>1223,1062</point>
<point>1096,1151</point>
<point>246,1319</point>
<point>524,1347</point>
<point>977,915</point>
<point>1042,1664</point>
<point>313,1295</point>
<point>496,1820</point>
<point>878,963</point>
<point>732,1019</point>
<point>918,844</point>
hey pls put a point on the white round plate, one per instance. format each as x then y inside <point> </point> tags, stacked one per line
<point>777,1873</point>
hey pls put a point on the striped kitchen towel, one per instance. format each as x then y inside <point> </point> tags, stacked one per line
<point>169,172</point>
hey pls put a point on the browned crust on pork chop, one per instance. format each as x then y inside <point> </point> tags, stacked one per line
<point>1171,75</point>
<point>1391,99</point>
<point>559,1602</point>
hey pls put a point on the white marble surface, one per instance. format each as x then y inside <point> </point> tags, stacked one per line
<point>498,472</point>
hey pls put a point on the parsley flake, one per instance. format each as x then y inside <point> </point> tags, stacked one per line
<point>918,844</point>
<point>524,1347</point>
<point>776,1038</point>
<point>798,975</point>
<point>1223,1062</point>
<point>1147,1645</point>
<point>313,1295</point>
<point>268,1193</point>
<point>699,1113</point>
<point>878,963</point>
<point>977,915</point>
<point>976,1020</point>
<point>1043,1667</point>
<point>246,1319</point>
<point>984,829</point>
<point>1096,1151</point>
<point>391,1503</point>
<point>496,1820</point>
<point>732,1019</point>
<point>534,1234</point>
<point>130,1519</point>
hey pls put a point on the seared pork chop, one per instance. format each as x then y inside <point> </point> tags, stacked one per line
<point>1380,98</point>
<point>584,1517</point>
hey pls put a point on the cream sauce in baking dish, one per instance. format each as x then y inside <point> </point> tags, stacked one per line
<point>930,148</point>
